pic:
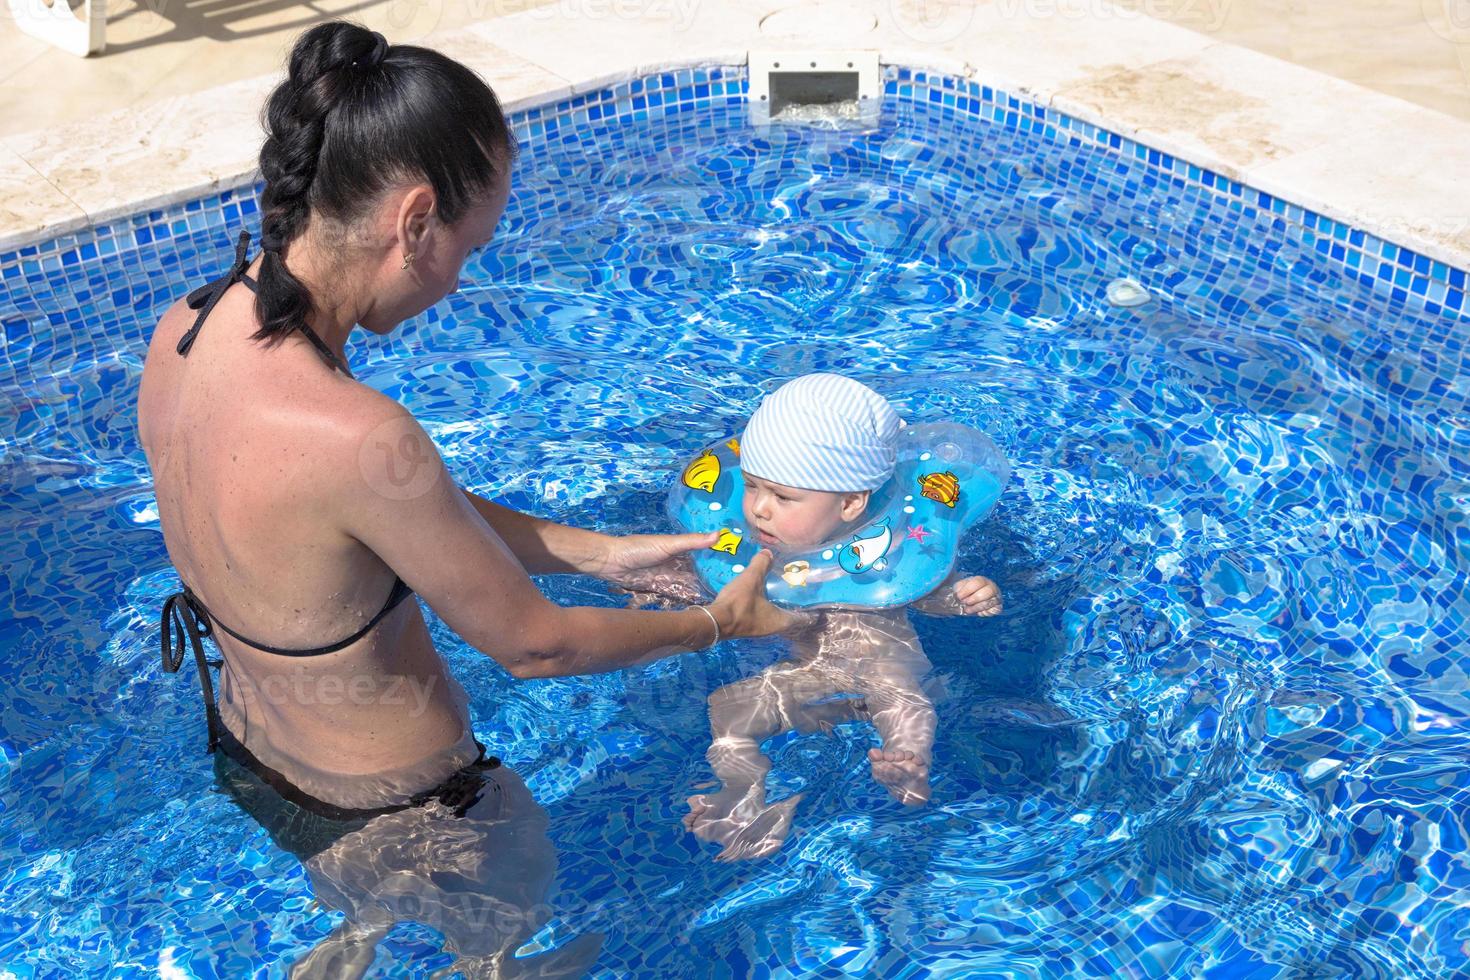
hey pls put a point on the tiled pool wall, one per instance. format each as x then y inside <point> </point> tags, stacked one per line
<point>1388,268</point>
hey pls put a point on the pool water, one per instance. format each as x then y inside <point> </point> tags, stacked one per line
<point>1220,729</point>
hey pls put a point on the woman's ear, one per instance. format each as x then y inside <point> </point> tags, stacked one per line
<point>855,504</point>
<point>414,214</point>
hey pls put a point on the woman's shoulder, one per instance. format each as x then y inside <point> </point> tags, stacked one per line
<point>364,416</point>
<point>379,451</point>
<point>172,325</point>
<point>159,373</point>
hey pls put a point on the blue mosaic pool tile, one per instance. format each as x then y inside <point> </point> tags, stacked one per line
<point>1343,240</point>
<point>1403,274</point>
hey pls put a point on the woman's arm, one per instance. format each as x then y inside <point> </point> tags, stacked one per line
<point>547,548</point>
<point>542,547</point>
<point>450,554</point>
<point>666,585</point>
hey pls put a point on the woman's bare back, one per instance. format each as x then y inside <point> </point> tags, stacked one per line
<point>248,446</point>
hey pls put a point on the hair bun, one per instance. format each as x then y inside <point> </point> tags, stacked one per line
<point>339,135</point>
<point>375,57</point>
<point>332,47</point>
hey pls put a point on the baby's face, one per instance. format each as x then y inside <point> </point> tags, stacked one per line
<point>785,517</point>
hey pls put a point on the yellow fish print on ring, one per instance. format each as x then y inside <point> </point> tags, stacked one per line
<point>729,542</point>
<point>703,473</point>
<point>942,487</point>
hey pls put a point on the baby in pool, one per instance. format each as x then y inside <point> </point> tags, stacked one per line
<point>811,456</point>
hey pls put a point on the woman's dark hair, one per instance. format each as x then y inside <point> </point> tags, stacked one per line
<point>355,116</point>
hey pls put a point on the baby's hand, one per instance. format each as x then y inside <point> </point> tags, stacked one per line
<point>978,596</point>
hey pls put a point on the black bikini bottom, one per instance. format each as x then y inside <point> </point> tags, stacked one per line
<point>303,825</point>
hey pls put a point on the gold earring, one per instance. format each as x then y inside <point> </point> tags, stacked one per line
<point>407,259</point>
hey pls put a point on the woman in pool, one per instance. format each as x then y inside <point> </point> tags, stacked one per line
<point>293,500</point>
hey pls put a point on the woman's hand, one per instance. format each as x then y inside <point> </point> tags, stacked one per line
<point>742,608</point>
<point>978,596</point>
<point>638,552</point>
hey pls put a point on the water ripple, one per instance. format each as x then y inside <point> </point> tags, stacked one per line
<point>1220,730</point>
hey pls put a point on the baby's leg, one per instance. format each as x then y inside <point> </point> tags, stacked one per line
<point>905,720</point>
<point>742,716</point>
<point>887,663</point>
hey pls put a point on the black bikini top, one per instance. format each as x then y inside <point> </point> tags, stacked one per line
<point>186,620</point>
<point>205,297</point>
<point>183,605</point>
<point>185,617</point>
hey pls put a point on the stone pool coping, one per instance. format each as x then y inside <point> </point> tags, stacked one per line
<point>1371,161</point>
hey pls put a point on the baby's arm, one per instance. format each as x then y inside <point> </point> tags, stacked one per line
<point>973,595</point>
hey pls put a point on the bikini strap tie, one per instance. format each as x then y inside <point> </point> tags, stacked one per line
<point>464,788</point>
<point>205,297</point>
<point>184,620</point>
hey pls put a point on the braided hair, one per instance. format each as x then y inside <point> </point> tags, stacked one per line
<point>354,117</point>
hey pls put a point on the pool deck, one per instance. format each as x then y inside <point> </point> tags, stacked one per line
<point>1372,160</point>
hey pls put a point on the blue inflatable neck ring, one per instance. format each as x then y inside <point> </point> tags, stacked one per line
<point>947,478</point>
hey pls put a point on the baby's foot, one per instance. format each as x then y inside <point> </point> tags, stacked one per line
<point>747,826</point>
<point>712,815</point>
<point>904,773</point>
<point>763,835</point>
<point>702,808</point>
